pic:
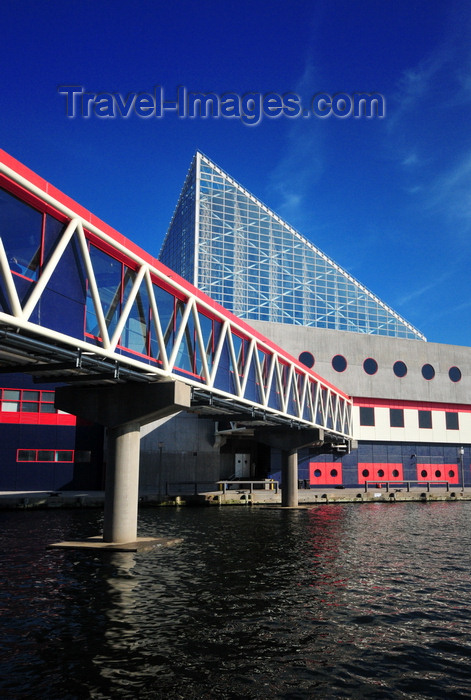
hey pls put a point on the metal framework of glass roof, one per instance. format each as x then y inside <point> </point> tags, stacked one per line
<point>243,255</point>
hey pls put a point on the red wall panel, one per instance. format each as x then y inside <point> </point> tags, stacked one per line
<point>438,472</point>
<point>380,471</point>
<point>325,473</point>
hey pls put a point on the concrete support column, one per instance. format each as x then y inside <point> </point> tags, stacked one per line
<point>122,483</point>
<point>289,495</point>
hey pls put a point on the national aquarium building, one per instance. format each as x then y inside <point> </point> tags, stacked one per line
<point>412,416</point>
<point>411,407</point>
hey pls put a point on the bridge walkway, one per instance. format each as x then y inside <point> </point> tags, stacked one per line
<point>81,305</point>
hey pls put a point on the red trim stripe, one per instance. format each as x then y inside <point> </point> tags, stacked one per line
<point>414,405</point>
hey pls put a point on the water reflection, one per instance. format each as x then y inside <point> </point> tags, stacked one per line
<point>336,601</point>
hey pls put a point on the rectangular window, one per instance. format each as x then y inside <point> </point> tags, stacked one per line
<point>452,421</point>
<point>425,419</point>
<point>45,456</point>
<point>11,400</point>
<point>396,417</point>
<point>367,415</point>
<point>26,456</point>
<point>26,401</point>
<point>21,235</point>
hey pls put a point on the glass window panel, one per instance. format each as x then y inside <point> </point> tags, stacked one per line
<point>21,230</point>
<point>54,229</point>
<point>396,417</point>
<point>186,355</point>
<point>206,325</point>
<point>370,366</point>
<point>425,419</point>
<point>29,407</point>
<point>26,456</point>
<point>367,415</point>
<point>165,307</point>
<point>11,394</point>
<point>47,408</point>
<point>46,455</point>
<point>428,372</point>
<point>400,368</point>
<point>339,363</point>
<point>30,395</point>
<point>135,332</point>
<point>108,273</point>
<point>451,421</point>
<point>10,406</point>
<point>64,456</point>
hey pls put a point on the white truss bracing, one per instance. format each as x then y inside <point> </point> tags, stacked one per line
<point>256,372</point>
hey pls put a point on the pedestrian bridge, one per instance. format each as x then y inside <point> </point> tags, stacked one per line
<point>82,305</point>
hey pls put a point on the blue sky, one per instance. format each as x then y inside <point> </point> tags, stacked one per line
<point>388,199</point>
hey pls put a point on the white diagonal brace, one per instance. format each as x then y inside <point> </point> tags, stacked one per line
<point>235,362</point>
<point>247,364</point>
<point>259,375</point>
<point>93,287</point>
<point>128,306</point>
<point>179,337</point>
<point>48,270</point>
<point>217,354</point>
<point>200,341</point>
<point>156,322</point>
<point>9,283</point>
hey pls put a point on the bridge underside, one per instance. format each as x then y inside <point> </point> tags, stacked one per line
<point>123,399</point>
<point>53,363</point>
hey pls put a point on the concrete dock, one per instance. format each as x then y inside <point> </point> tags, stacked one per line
<point>27,500</point>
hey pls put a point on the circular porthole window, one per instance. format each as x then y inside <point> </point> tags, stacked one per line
<point>451,473</point>
<point>428,372</point>
<point>455,374</point>
<point>365,472</point>
<point>370,366</point>
<point>423,473</point>
<point>400,368</point>
<point>333,472</point>
<point>381,472</point>
<point>395,472</point>
<point>339,363</point>
<point>307,359</point>
<point>438,473</point>
<point>317,472</point>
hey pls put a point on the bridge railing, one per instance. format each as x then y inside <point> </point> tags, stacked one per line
<point>399,485</point>
<point>68,278</point>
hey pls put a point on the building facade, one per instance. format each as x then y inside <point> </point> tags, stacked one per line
<point>412,412</point>
<point>411,416</point>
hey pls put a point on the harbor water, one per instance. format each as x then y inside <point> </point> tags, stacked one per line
<point>336,601</point>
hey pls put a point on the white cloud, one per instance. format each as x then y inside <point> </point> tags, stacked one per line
<point>301,163</point>
<point>424,289</point>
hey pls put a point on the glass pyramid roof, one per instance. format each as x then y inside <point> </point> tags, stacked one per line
<point>239,252</point>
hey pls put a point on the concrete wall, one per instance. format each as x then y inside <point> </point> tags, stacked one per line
<point>356,347</point>
<point>188,452</point>
<point>181,450</point>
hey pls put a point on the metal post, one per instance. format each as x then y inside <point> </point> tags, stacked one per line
<point>461,455</point>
